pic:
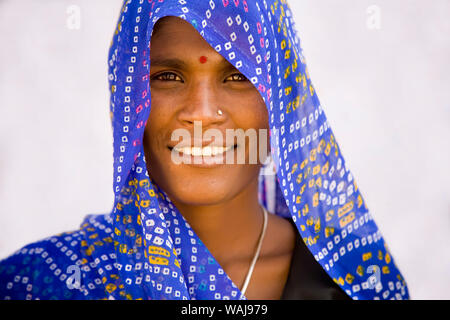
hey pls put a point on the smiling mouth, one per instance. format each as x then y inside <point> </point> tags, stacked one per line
<point>207,151</point>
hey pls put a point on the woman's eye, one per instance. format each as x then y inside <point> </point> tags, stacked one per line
<point>167,76</point>
<point>237,77</point>
<point>170,76</point>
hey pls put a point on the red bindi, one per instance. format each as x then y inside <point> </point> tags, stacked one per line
<point>203,59</point>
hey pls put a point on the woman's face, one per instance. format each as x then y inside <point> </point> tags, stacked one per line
<point>190,82</point>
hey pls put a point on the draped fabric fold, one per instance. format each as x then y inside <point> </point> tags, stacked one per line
<point>144,248</point>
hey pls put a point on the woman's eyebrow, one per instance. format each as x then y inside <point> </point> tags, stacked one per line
<point>169,62</point>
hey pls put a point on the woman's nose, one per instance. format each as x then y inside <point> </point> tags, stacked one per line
<point>201,104</point>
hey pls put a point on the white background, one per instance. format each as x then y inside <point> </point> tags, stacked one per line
<point>385,92</point>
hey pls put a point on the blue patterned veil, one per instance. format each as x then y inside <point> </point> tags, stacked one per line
<point>144,248</point>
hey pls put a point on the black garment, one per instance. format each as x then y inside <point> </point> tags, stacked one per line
<point>307,279</point>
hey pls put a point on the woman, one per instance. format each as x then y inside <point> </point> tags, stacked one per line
<point>190,218</point>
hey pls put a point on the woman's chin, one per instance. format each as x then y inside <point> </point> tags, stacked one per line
<point>200,196</point>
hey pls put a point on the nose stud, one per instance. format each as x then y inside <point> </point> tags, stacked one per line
<point>219,112</point>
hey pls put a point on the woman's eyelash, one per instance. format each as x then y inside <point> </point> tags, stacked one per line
<point>236,77</point>
<point>170,76</point>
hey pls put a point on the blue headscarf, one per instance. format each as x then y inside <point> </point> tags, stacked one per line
<point>144,248</point>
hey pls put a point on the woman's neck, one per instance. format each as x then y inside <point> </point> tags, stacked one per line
<point>228,229</point>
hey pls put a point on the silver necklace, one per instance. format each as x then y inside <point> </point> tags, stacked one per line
<point>255,257</point>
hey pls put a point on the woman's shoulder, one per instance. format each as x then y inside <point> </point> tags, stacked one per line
<point>39,266</point>
<point>307,279</point>
<point>52,267</point>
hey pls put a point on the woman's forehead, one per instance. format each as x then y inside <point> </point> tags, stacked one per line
<point>176,34</point>
<point>172,26</point>
<point>175,39</point>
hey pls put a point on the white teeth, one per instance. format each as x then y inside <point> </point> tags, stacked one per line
<point>205,151</point>
<point>196,151</point>
<point>218,150</point>
<point>186,151</point>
